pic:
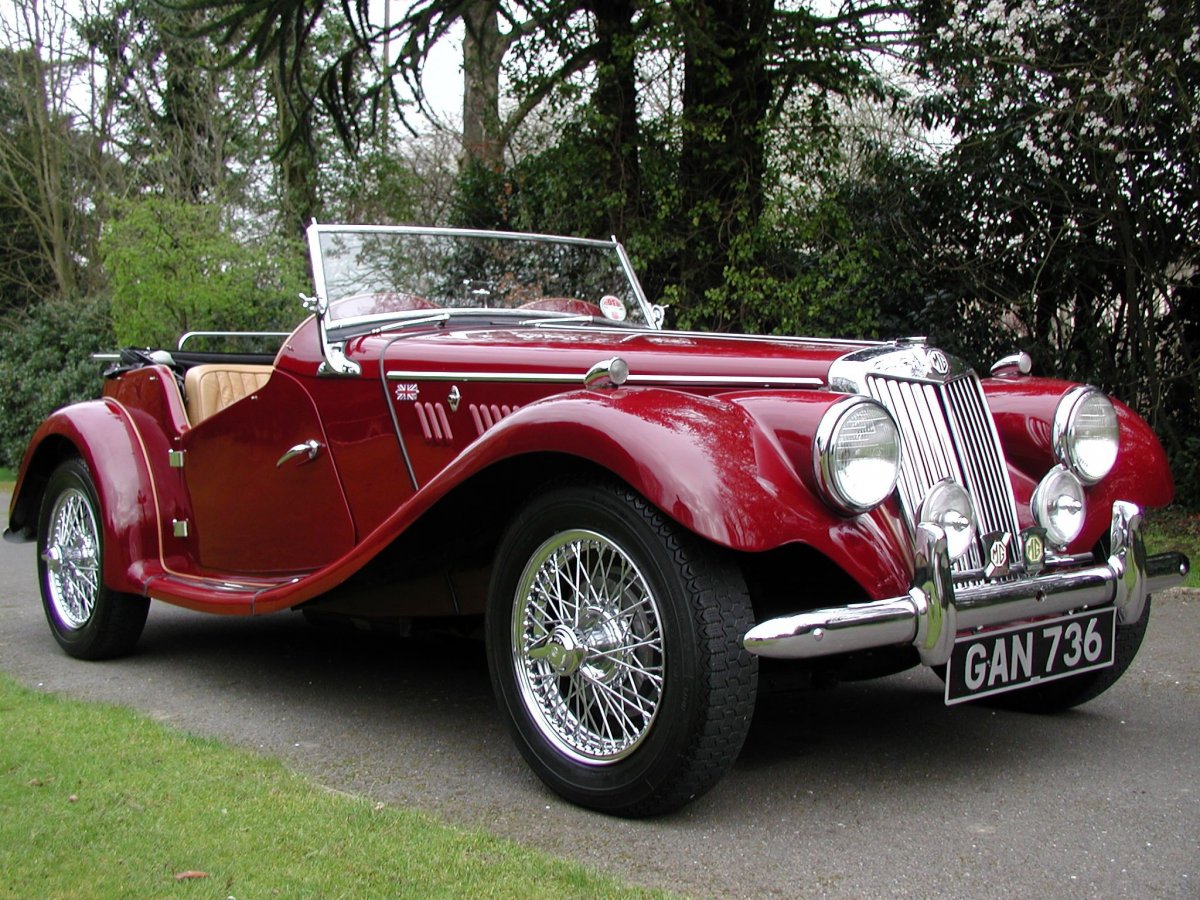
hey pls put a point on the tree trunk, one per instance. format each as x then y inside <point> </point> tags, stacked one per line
<point>191,106</point>
<point>726,99</point>
<point>50,210</point>
<point>615,105</point>
<point>483,52</point>
<point>297,162</point>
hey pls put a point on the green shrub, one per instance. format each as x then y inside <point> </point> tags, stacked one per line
<point>172,268</point>
<point>45,363</point>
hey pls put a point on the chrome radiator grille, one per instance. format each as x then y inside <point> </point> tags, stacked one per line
<point>947,432</point>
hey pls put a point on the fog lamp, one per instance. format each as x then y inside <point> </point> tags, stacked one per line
<point>1058,506</point>
<point>949,506</point>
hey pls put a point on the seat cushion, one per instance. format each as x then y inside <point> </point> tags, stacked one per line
<point>211,388</point>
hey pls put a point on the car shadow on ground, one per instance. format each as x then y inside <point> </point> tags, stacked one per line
<point>424,706</point>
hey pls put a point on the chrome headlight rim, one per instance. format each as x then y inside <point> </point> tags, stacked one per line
<point>1060,484</point>
<point>1066,439</point>
<point>825,447</point>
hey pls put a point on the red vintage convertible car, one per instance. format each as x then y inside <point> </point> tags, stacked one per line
<point>494,425</point>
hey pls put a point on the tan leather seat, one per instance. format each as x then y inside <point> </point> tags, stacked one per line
<point>211,388</point>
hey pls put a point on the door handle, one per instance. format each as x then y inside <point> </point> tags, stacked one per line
<point>309,449</point>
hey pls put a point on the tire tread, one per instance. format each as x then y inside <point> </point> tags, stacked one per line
<point>722,613</point>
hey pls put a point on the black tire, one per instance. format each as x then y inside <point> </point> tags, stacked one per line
<point>88,620</point>
<point>577,672</point>
<point>1065,693</point>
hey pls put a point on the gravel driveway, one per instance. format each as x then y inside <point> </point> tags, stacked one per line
<point>867,790</point>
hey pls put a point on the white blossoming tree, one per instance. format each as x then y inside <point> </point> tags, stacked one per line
<point>1071,209</point>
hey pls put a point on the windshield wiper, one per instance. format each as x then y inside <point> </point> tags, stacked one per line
<point>404,323</point>
<point>577,320</point>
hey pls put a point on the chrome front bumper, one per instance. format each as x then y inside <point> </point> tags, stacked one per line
<point>932,613</point>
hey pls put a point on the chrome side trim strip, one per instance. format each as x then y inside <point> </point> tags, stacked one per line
<point>520,377</point>
<point>735,381</point>
<point>933,611</point>
<point>728,380</point>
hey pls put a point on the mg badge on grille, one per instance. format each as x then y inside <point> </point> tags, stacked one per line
<point>996,552</point>
<point>938,362</point>
<point>1033,548</point>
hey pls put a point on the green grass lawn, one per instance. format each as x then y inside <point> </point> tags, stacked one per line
<point>101,802</point>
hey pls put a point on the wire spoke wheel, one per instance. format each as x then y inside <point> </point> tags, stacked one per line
<point>89,620</point>
<point>614,642</point>
<point>589,645</point>
<point>72,558</point>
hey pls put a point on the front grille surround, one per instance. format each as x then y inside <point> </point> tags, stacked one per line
<point>947,432</point>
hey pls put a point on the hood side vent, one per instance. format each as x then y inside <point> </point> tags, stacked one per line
<point>435,425</point>
<point>485,416</point>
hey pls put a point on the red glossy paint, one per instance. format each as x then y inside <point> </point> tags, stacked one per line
<point>732,465</point>
<point>102,434</point>
<point>723,480</point>
<point>251,514</point>
<point>150,399</point>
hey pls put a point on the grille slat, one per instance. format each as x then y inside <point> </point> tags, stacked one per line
<point>987,473</point>
<point>947,432</point>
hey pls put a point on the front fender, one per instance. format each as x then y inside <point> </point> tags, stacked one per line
<point>100,433</point>
<point>732,468</point>
<point>709,463</point>
<point>1024,415</point>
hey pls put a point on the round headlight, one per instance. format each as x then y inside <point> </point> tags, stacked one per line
<point>1058,506</point>
<point>857,454</point>
<point>949,507</point>
<point>1086,435</point>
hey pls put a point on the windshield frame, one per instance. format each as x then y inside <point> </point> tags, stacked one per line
<point>334,330</point>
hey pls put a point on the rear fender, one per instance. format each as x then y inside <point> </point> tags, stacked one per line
<point>100,433</point>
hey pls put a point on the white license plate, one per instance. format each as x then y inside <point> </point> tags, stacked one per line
<point>1008,659</point>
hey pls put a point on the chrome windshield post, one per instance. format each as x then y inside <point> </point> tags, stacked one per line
<point>654,313</point>
<point>333,353</point>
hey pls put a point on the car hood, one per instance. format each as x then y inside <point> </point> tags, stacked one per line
<point>695,358</point>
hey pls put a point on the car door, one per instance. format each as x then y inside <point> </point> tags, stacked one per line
<point>264,488</point>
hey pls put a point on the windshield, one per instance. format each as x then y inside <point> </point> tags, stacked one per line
<point>382,273</point>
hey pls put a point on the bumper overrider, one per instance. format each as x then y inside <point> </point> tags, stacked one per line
<point>933,612</point>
